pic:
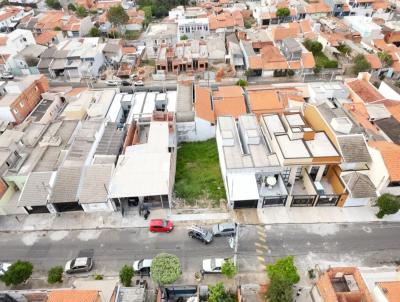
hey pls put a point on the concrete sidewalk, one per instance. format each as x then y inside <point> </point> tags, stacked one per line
<point>276,215</point>
<point>101,220</point>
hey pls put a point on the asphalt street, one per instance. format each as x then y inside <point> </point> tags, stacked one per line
<point>371,244</point>
<point>366,245</point>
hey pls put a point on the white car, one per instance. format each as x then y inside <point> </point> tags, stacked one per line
<point>4,266</point>
<point>112,82</point>
<point>7,76</point>
<point>142,267</point>
<point>138,83</point>
<point>213,265</point>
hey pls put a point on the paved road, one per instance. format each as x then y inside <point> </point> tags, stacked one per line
<point>369,244</point>
<point>372,244</point>
<point>110,248</point>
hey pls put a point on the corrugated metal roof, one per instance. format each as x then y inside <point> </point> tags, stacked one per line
<point>65,188</point>
<point>95,183</point>
<point>36,189</point>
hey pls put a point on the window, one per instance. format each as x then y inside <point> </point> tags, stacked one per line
<point>21,104</point>
<point>36,88</point>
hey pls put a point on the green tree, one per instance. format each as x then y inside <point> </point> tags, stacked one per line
<point>72,7</point>
<point>285,268</point>
<point>17,273</point>
<point>165,268</point>
<point>147,15</point>
<point>217,293</point>
<point>117,16</point>
<point>280,290</point>
<point>360,64</point>
<point>248,22</point>
<point>385,58</point>
<point>388,204</point>
<point>54,275</point>
<point>184,37</point>
<point>94,32</point>
<point>81,11</point>
<point>282,12</point>
<point>54,4</point>
<point>344,49</point>
<point>241,83</point>
<point>125,275</point>
<point>31,60</point>
<point>229,268</point>
<point>316,47</point>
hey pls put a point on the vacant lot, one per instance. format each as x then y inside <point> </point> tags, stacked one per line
<point>197,172</point>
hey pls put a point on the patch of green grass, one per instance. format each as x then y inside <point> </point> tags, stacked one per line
<point>132,34</point>
<point>198,174</point>
<point>322,61</point>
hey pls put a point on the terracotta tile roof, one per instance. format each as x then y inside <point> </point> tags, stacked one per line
<point>3,40</point>
<point>46,37</point>
<point>255,62</point>
<point>390,153</point>
<point>306,25</point>
<point>365,90</point>
<point>272,58</point>
<point>380,5</point>
<point>128,50</point>
<point>391,290</point>
<point>374,61</point>
<point>76,91</point>
<point>50,20</point>
<point>227,100</point>
<point>73,295</point>
<point>393,107</point>
<point>315,8</point>
<point>308,60</point>
<point>291,30</point>
<point>73,24</point>
<point>225,19</point>
<point>333,38</point>
<point>105,5</point>
<point>202,104</point>
<point>265,101</point>
<point>360,113</point>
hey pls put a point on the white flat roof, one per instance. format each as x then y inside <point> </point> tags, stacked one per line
<point>295,119</point>
<point>141,174</point>
<point>274,124</point>
<point>171,95</point>
<point>149,104</point>
<point>242,186</point>
<point>115,108</point>
<point>321,146</point>
<point>292,148</point>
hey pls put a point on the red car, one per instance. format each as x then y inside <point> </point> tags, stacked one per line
<point>161,225</point>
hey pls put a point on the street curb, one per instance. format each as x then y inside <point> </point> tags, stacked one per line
<point>177,223</point>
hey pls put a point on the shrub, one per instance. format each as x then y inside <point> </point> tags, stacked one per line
<point>165,268</point>
<point>360,64</point>
<point>388,204</point>
<point>94,32</point>
<point>17,273</point>
<point>331,64</point>
<point>284,268</point>
<point>385,58</point>
<point>283,12</point>
<point>125,275</point>
<point>98,277</point>
<point>217,293</point>
<point>54,275</point>
<point>184,37</point>
<point>72,7</point>
<point>280,290</point>
<point>241,83</point>
<point>229,268</point>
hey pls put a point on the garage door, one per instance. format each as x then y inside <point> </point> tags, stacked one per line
<point>241,204</point>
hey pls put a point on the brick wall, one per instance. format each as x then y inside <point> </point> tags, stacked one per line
<point>28,99</point>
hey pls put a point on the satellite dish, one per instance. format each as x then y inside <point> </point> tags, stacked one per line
<point>271,181</point>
